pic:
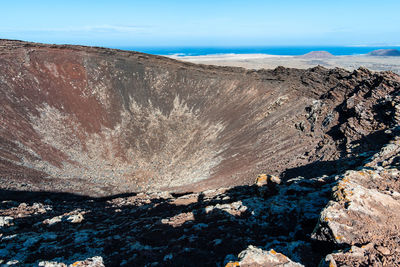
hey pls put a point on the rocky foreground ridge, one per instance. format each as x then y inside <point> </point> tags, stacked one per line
<point>118,158</point>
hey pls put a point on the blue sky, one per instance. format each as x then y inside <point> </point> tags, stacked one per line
<point>202,23</point>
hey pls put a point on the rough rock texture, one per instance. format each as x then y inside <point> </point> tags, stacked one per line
<point>170,229</point>
<point>364,212</point>
<point>91,262</point>
<point>255,257</point>
<point>84,129</point>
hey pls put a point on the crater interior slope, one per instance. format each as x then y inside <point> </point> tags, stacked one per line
<point>98,121</point>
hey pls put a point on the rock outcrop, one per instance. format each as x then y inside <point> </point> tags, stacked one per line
<point>256,257</point>
<point>363,215</point>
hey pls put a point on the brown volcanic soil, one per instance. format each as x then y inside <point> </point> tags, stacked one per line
<point>99,121</point>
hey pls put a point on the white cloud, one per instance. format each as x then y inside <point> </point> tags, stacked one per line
<point>84,29</point>
<point>114,28</point>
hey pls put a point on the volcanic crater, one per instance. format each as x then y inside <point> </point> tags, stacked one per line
<point>127,159</point>
<point>98,121</point>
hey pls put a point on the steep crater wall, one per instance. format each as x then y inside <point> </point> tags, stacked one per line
<point>100,121</point>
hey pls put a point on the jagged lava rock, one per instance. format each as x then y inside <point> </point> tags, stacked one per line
<point>256,257</point>
<point>364,212</point>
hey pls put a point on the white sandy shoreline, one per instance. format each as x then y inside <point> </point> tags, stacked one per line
<point>229,56</point>
<point>266,61</point>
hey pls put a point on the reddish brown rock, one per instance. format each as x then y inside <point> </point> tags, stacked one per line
<point>98,121</point>
<point>364,213</point>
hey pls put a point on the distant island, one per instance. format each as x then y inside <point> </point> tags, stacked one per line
<point>385,53</point>
<point>317,54</point>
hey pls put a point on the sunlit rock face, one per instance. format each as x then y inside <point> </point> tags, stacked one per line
<point>98,121</point>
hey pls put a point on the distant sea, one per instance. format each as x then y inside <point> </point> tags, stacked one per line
<point>272,50</point>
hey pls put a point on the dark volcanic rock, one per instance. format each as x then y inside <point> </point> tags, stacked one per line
<point>363,216</point>
<point>385,53</point>
<point>198,229</point>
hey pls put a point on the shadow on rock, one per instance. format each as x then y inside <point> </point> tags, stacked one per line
<point>200,229</point>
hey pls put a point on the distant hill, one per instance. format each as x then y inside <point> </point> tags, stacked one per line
<point>317,54</point>
<point>385,53</point>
